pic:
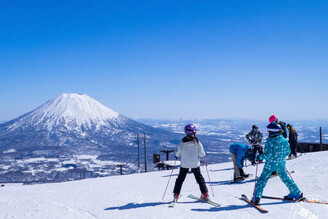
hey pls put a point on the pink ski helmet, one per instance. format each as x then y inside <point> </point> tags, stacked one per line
<point>273,118</point>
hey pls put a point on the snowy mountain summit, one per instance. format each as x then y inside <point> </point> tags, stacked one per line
<point>74,121</point>
<point>69,110</point>
<point>71,125</point>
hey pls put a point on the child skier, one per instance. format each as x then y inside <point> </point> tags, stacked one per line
<point>190,150</point>
<point>238,154</point>
<point>275,151</point>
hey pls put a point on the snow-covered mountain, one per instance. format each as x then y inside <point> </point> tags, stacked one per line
<point>72,111</point>
<point>140,195</point>
<point>74,124</point>
<point>74,121</point>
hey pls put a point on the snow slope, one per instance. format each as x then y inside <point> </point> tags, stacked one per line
<point>140,195</point>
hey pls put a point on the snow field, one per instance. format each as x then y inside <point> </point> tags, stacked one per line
<point>140,195</point>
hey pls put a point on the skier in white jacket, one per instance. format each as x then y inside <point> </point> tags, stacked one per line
<point>190,150</point>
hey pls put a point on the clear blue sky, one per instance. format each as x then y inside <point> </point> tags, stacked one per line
<point>168,59</point>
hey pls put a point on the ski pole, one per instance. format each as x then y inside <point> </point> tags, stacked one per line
<point>255,181</point>
<point>208,176</point>
<point>299,145</point>
<point>169,178</point>
<point>289,175</point>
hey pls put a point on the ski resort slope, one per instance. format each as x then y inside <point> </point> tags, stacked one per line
<point>140,195</point>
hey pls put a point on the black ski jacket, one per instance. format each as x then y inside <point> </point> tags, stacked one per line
<point>293,140</point>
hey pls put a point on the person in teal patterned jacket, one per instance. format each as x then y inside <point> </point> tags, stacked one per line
<point>275,152</point>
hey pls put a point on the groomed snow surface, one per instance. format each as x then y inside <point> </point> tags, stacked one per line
<point>140,195</point>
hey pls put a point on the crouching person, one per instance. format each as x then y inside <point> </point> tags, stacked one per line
<point>238,154</point>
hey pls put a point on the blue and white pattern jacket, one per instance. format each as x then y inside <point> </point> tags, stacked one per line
<point>275,151</point>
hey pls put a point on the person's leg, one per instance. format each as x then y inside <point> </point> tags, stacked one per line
<point>260,152</point>
<point>181,177</point>
<point>294,151</point>
<point>235,166</point>
<point>291,151</point>
<point>262,180</point>
<point>242,173</point>
<point>257,151</point>
<point>254,154</point>
<point>200,180</point>
<point>291,185</point>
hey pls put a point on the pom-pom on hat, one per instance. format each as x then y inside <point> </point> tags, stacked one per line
<point>273,118</point>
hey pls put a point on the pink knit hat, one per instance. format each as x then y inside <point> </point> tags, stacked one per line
<point>273,118</point>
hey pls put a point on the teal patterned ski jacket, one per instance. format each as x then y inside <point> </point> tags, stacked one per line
<point>275,151</point>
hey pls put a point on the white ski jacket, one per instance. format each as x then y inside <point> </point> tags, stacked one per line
<point>190,153</point>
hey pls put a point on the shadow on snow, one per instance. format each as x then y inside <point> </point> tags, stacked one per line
<point>228,182</point>
<point>171,175</point>
<point>226,208</point>
<point>137,205</point>
<point>221,169</point>
<point>143,205</point>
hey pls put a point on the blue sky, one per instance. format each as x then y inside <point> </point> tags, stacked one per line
<point>168,59</point>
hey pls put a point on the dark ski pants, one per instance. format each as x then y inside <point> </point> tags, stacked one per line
<point>256,148</point>
<point>182,175</point>
<point>293,150</point>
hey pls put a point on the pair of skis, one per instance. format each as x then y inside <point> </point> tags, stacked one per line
<point>244,197</point>
<point>199,199</point>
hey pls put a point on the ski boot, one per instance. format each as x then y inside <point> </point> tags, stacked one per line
<point>245,176</point>
<point>290,157</point>
<point>205,197</point>
<point>238,180</point>
<point>175,197</point>
<point>294,197</point>
<point>255,201</point>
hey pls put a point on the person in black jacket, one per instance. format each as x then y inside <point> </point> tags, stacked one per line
<point>293,141</point>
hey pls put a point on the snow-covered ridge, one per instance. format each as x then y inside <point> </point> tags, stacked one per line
<point>69,109</point>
